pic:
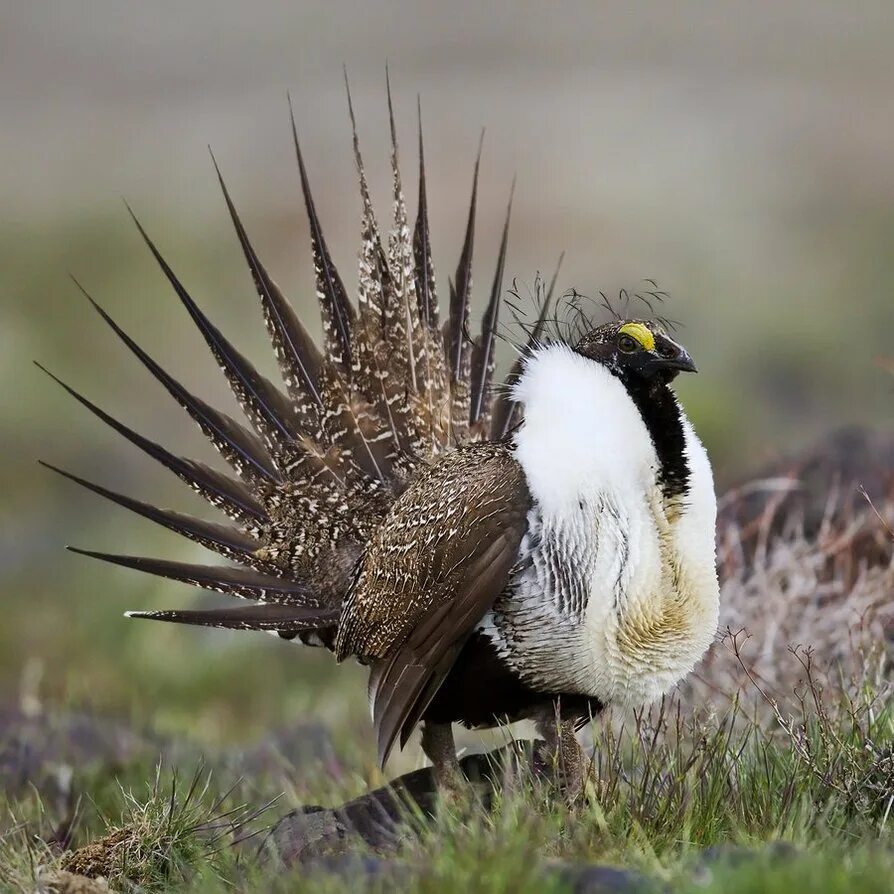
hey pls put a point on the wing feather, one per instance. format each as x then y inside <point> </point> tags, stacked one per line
<point>440,559</point>
<point>419,667</point>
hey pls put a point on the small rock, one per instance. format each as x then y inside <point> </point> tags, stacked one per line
<point>307,834</point>
<point>583,878</point>
<point>379,819</point>
<point>735,855</point>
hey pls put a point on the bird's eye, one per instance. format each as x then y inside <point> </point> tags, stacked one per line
<point>628,344</point>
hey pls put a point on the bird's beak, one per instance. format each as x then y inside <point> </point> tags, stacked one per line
<point>670,358</point>
<point>679,362</point>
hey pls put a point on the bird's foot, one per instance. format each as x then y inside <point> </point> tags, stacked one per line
<point>454,789</point>
<point>455,792</point>
<point>562,760</point>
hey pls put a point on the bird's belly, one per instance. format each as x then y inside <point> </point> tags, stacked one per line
<point>646,656</point>
<point>482,690</point>
<point>600,607</point>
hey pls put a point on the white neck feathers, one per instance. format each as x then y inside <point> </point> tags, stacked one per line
<point>582,431</point>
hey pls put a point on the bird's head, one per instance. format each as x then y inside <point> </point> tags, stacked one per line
<point>635,349</point>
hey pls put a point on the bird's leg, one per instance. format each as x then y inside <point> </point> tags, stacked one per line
<point>440,749</point>
<point>566,759</point>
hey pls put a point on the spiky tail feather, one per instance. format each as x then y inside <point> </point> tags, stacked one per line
<point>388,390</point>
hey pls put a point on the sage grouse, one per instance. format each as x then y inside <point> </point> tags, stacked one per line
<point>534,551</point>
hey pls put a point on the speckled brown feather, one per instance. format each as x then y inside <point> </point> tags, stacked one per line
<point>444,550</point>
<point>484,350</point>
<point>438,408</point>
<point>372,374</point>
<point>415,557</point>
<point>359,435</point>
<point>231,543</point>
<point>265,406</point>
<point>298,356</point>
<point>281,619</point>
<point>403,684</point>
<point>336,311</point>
<point>426,290</point>
<point>240,582</point>
<point>238,446</point>
<point>402,329</point>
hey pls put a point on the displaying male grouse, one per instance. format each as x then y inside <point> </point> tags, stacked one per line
<point>537,551</point>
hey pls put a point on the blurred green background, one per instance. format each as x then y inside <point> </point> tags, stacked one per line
<point>743,160</point>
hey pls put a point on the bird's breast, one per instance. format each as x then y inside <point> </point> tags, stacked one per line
<point>607,601</point>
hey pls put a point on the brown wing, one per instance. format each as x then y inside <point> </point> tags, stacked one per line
<point>435,566</point>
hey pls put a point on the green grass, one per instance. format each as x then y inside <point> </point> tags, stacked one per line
<point>799,795</point>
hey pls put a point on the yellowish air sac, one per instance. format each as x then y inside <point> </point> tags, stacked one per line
<point>641,333</point>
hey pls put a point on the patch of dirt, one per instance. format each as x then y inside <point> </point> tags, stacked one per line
<point>101,858</point>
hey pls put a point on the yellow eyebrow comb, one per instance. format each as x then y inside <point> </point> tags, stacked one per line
<point>641,333</point>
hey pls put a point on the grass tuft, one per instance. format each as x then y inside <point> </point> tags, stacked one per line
<point>159,840</point>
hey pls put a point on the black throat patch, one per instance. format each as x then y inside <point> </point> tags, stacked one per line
<point>661,413</point>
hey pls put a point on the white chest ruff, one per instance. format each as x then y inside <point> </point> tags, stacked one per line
<point>612,599</point>
<point>605,606</point>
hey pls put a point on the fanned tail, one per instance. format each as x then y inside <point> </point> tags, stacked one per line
<point>320,461</point>
<point>229,542</point>
<point>284,621</point>
<point>222,492</point>
<point>483,353</point>
<point>240,582</point>
<point>456,335</point>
